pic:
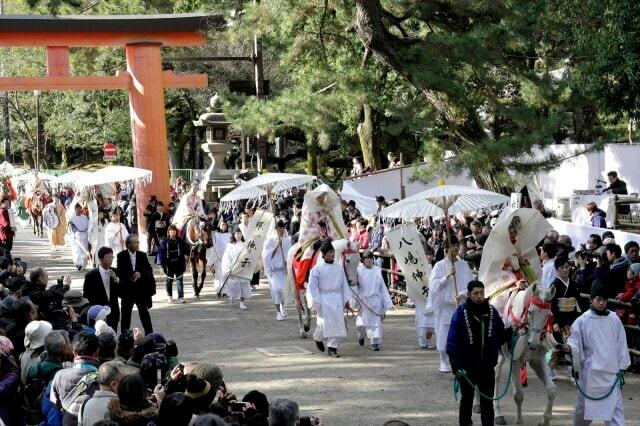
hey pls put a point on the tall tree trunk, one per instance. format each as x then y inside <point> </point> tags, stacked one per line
<point>312,153</point>
<point>65,160</point>
<point>366,134</point>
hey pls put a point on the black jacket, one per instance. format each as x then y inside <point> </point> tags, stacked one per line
<point>93,290</point>
<point>145,286</point>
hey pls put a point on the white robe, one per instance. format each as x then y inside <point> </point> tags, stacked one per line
<point>80,239</point>
<point>236,287</point>
<point>441,295</point>
<point>115,237</point>
<point>373,301</point>
<point>218,247</point>
<point>275,267</point>
<point>330,293</point>
<point>548,273</point>
<point>99,242</point>
<point>599,350</point>
<point>190,204</point>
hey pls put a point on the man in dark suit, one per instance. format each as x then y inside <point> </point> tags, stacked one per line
<point>101,286</point>
<point>137,284</point>
<point>617,186</point>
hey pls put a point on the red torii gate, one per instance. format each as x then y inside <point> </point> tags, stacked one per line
<point>143,37</point>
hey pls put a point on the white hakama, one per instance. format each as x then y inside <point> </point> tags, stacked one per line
<point>79,228</point>
<point>330,293</point>
<point>275,267</point>
<point>216,252</point>
<point>442,294</point>
<point>236,287</point>
<point>373,301</point>
<point>599,351</point>
<point>424,317</point>
<point>115,237</point>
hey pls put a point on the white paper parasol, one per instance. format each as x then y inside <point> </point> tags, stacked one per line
<point>268,183</point>
<point>31,177</point>
<point>444,200</point>
<point>114,174</point>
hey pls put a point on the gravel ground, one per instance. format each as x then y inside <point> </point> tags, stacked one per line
<point>360,388</point>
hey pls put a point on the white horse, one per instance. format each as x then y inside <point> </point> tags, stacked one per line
<point>346,252</point>
<point>529,310</point>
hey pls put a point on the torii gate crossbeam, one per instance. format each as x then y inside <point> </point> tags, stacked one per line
<point>142,37</point>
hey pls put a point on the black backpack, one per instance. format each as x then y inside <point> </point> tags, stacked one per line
<point>33,391</point>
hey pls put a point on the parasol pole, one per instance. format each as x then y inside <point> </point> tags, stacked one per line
<point>453,262</point>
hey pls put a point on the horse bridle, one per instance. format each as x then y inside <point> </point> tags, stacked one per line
<point>523,321</point>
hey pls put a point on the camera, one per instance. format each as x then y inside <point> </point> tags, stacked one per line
<point>60,281</point>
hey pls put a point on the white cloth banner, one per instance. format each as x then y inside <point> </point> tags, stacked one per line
<point>249,259</point>
<point>404,243</point>
<point>580,233</point>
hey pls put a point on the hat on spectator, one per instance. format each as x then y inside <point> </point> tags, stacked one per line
<point>34,334</point>
<point>98,312</point>
<point>6,347</point>
<point>74,299</point>
<point>158,339</point>
<point>8,302</point>
<point>211,373</point>
<point>635,269</point>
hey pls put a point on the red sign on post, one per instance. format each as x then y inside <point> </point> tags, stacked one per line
<point>110,152</point>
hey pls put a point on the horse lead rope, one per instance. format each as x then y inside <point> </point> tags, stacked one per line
<point>463,374</point>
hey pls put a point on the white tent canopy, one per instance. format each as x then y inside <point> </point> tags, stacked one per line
<point>76,177</point>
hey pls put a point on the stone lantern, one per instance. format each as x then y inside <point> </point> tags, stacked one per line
<point>217,180</point>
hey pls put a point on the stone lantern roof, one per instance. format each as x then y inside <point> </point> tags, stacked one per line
<point>214,115</point>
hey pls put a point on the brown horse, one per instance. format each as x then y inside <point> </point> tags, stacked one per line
<point>35,207</point>
<point>198,236</point>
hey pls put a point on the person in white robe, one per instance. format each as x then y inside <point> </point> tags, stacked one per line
<point>115,236</point>
<point>598,348</point>
<point>424,317</point>
<point>220,238</point>
<point>373,301</point>
<point>190,206</point>
<point>330,294</point>
<point>446,293</point>
<point>235,287</point>
<point>79,229</point>
<point>100,238</point>
<point>275,266</point>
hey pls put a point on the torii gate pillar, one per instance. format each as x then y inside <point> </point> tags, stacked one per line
<point>148,121</point>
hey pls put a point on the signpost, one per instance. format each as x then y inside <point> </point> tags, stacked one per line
<point>110,152</point>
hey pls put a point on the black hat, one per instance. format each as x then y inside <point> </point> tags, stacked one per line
<point>474,284</point>
<point>598,288</point>
<point>367,254</point>
<point>326,247</point>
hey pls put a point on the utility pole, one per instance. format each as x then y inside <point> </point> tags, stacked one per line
<point>4,104</point>
<point>259,79</point>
